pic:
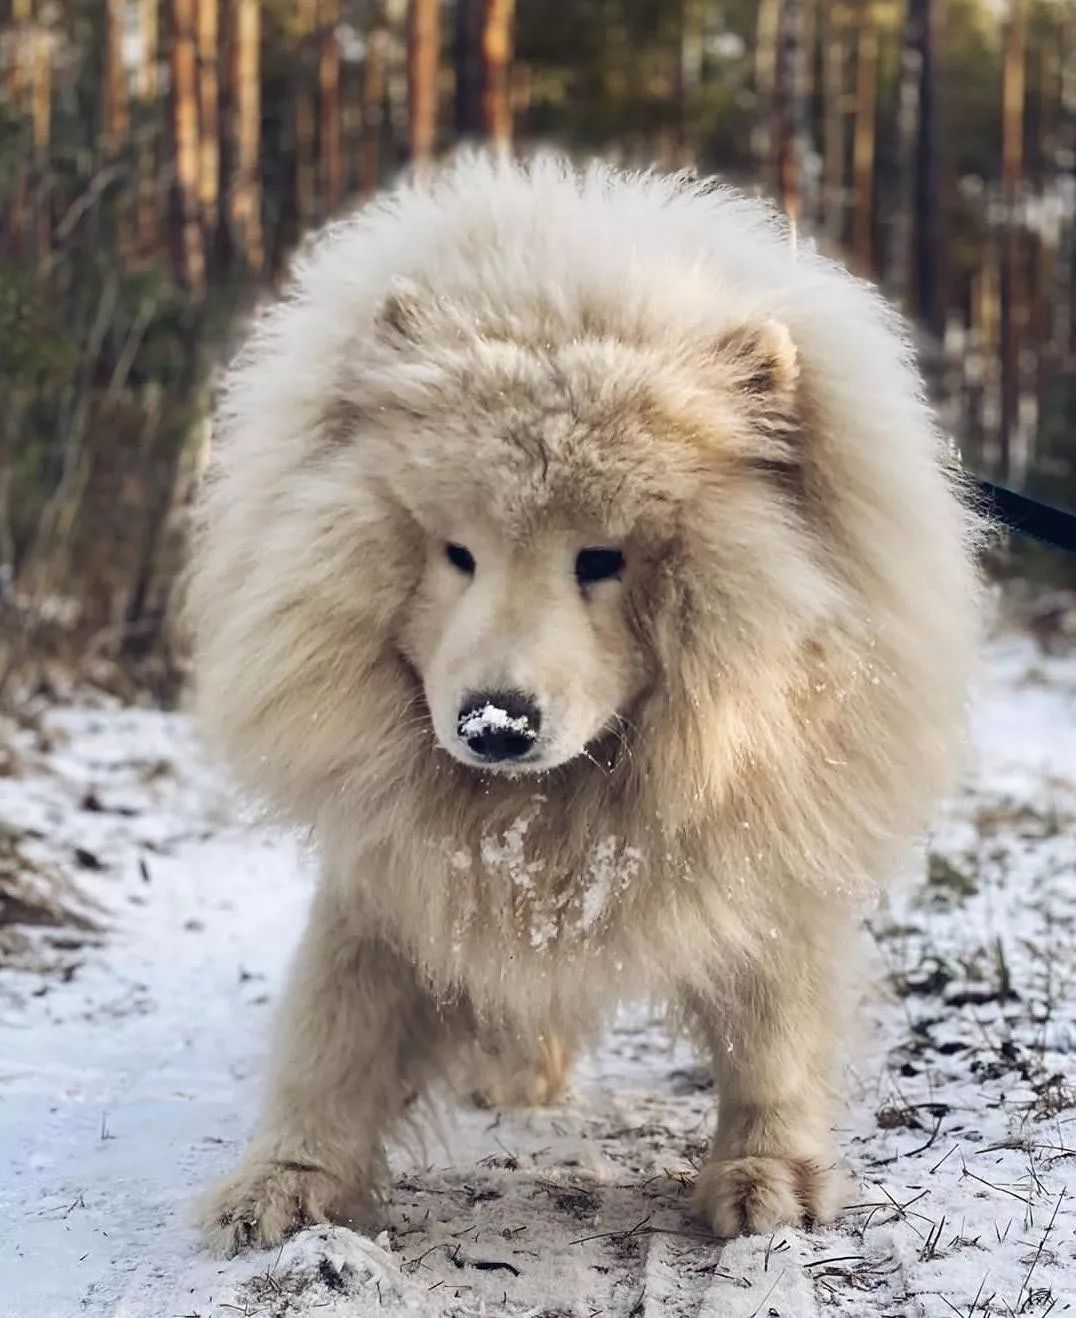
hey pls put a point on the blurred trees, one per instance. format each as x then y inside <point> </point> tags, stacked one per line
<point>187,107</point>
<point>483,68</point>
<point>423,66</point>
<point>244,111</point>
<point>160,158</point>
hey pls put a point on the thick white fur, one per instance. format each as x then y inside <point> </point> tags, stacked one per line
<point>770,699</point>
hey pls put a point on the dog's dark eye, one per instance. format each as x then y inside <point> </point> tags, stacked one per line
<point>460,558</point>
<point>598,565</point>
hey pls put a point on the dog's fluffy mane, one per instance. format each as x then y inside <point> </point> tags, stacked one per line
<point>789,768</point>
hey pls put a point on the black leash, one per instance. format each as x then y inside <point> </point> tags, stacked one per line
<point>1041,521</point>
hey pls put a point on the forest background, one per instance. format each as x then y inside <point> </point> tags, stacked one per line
<point>160,159</point>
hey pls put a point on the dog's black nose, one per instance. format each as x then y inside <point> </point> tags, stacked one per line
<point>499,725</point>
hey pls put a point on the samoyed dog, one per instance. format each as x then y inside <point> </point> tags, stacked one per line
<point>581,564</point>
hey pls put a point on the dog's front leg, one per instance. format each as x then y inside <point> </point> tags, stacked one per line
<point>357,1037</point>
<point>772,1032</point>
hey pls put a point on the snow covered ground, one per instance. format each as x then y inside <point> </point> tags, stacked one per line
<point>129,1068</point>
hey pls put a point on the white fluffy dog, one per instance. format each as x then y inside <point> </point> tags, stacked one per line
<point>582,564</point>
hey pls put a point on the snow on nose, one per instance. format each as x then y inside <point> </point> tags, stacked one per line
<point>499,725</point>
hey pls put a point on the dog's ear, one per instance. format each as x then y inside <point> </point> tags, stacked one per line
<point>761,363</point>
<point>398,320</point>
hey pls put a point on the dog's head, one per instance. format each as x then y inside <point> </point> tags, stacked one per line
<point>538,546</point>
<point>581,511</point>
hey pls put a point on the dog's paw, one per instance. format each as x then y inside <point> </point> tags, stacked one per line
<point>266,1200</point>
<point>744,1196</point>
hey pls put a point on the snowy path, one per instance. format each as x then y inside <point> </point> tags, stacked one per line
<point>128,1073</point>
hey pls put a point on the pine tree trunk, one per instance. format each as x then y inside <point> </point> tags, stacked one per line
<point>423,57</point>
<point>305,117</point>
<point>17,67</point>
<point>787,109</point>
<point>330,156</point>
<point>208,117</point>
<point>374,72</point>
<point>188,245</point>
<point>16,81</point>
<point>115,137</point>
<point>117,113</point>
<point>244,197</point>
<point>41,96</point>
<point>497,25</point>
<point>1012,166</point>
<point>147,224</point>
<point>484,69</point>
<point>914,275</point>
<point>834,148</point>
<point>900,274</point>
<point>807,96</point>
<point>927,231</point>
<point>863,141</point>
